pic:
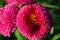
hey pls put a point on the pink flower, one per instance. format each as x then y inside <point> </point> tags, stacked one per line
<point>34,21</point>
<point>20,1</point>
<point>8,19</point>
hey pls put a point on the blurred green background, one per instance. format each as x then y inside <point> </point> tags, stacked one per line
<point>54,8</point>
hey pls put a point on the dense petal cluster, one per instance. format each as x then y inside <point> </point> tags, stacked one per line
<point>8,19</point>
<point>34,21</point>
<point>20,1</point>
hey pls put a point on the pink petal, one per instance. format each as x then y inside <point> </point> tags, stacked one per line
<point>20,1</point>
<point>8,19</point>
<point>31,30</point>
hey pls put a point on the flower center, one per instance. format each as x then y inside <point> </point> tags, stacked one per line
<point>32,23</point>
<point>30,19</point>
<point>33,18</point>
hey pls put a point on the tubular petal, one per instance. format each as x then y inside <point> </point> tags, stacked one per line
<point>20,1</point>
<point>8,19</point>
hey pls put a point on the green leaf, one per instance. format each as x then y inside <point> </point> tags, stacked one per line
<point>19,36</point>
<point>51,6</point>
<point>56,36</point>
<point>52,30</point>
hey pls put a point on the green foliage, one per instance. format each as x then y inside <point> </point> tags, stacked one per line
<point>54,8</point>
<point>19,36</point>
<point>56,37</point>
<point>2,3</point>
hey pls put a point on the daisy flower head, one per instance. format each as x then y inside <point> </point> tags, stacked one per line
<point>34,21</point>
<point>8,19</point>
